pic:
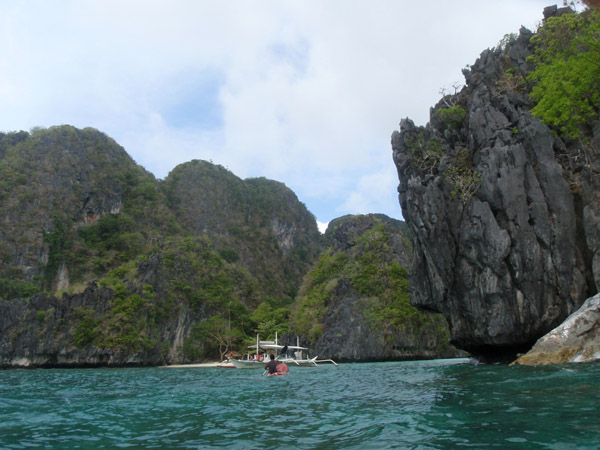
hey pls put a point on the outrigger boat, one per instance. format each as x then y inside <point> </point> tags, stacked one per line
<point>292,355</point>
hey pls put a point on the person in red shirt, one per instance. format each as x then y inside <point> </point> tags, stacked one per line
<point>282,368</point>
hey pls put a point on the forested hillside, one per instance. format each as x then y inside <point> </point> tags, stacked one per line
<point>102,264</point>
<point>354,304</point>
<point>123,267</point>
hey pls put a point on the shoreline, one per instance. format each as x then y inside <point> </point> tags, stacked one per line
<point>186,366</point>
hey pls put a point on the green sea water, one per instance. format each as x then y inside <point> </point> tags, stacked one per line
<point>423,404</point>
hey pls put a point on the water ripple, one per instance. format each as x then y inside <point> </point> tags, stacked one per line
<point>427,404</point>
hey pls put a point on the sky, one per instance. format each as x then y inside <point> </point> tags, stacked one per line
<point>305,92</point>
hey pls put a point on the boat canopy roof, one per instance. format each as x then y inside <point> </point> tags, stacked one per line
<point>271,345</point>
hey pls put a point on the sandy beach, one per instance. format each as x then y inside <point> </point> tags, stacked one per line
<point>185,366</point>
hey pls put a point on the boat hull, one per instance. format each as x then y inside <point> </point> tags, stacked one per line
<point>226,365</point>
<point>243,364</point>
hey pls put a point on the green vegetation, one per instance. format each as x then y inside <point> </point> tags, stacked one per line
<point>425,153</point>
<point>380,282</point>
<point>44,315</point>
<point>384,287</point>
<point>271,319</point>
<point>59,244</point>
<point>227,254</point>
<point>131,323</point>
<point>453,116</point>
<point>215,335</point>
<point>113,238</point>
<point>95,210</point>
<point>567,72</point>
<point>512,82</point>
<point>76,196</point>
<point>55,180</point>
<point>11,289</point>
<point>464,179</point>
<point>225,293</point>
<point>199,279</point>
<point>87,328</point>
<point>315,294</point>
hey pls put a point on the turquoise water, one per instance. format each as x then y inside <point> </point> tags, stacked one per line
<point>425,404</point>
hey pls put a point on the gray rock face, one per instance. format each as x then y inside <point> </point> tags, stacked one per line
<point>38,332</point>
<point>75,209</point>
<point>355,326</point>
<point>504,213</point>
<point>348,335</point>
<point>577,339</point>
<point>42,331</point>
<point>63,171</point>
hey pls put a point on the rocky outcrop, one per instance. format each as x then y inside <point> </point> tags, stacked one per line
<point>100,327</point>
<point>39,332</point>
<point>504,213</point>
<point>350,335</point>
<point>261,220</point>
<point>577,339</point>
<point>365,315</point>
<point>159,258</point>
<point>54,181</point>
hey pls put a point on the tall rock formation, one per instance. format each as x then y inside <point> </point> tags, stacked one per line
<point>505,212</point>
<point>354,304</point>
<point>52,181</point>
<point>258,222</point>
<point>136,270</point>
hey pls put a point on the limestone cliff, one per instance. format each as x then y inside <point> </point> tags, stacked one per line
<point>354,304</point>
<point>51,182</point>
<point>504,210</point>
<point>102,264</point>
<point>259,223</point>
<point>144,317</point>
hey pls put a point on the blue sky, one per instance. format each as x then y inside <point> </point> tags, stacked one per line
<point>304,92</point>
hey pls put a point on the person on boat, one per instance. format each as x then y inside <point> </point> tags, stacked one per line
<point>282,368</point>
<point>271,366</point>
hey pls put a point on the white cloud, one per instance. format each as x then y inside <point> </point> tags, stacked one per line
<point>373,193</point>
<point>307,93</point>
<point>322,226</point>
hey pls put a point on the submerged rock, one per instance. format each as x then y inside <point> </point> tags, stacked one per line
<point>577,339</point>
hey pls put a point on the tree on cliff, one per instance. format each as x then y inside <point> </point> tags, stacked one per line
<point>567,71</point>
<point>592,4</point>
